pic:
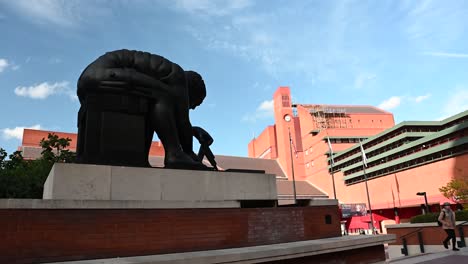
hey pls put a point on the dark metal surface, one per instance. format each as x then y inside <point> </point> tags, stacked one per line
<point>125,97</point>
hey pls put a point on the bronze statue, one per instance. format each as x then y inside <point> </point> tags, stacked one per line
<point>125,97</point>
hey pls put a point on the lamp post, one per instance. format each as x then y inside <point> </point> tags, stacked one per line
<point>288,118</point>
<point>425,201</point>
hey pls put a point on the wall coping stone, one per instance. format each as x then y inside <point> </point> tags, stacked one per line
<point>254,254</point>
<point>408,225</point>
<point>129,204</point>
<point>112,204</point>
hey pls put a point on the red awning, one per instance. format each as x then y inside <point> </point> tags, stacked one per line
<point>357,222</point>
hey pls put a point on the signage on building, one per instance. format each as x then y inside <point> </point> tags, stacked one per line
<point>349,210</point>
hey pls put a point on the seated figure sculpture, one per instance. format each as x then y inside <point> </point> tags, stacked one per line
<point>125,97</point>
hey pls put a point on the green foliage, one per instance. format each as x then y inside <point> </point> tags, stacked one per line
<point>456,190</point>
<point>432,217</point>
<point>425,218</point>
<point>20,178</point>
<point>54,149</point>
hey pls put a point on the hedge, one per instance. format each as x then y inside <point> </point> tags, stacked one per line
<point>432,217</point>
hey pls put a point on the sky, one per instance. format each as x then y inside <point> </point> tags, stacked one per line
<point>407,57</point>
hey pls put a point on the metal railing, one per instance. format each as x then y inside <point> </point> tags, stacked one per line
<point>404,250</point>
<point>462,242</point>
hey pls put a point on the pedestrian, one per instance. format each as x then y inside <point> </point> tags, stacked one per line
<point>447,218</point>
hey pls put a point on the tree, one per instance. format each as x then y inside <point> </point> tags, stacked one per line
<point>20,178</point>
<point>456,190</point>
<point>54,149</point>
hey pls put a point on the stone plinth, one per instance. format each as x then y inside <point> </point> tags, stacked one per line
<point>102,182</point>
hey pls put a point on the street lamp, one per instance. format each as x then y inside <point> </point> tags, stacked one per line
<point>288,119</point>
<point>425,200</point>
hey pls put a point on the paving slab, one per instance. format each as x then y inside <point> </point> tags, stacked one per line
<point>445,257</point>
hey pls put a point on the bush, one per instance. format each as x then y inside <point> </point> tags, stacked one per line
<point>425,218</point>
<point>432,217</point>
<point>21,178</point>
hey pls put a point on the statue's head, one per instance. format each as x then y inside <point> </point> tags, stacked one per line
<point>196,88</point>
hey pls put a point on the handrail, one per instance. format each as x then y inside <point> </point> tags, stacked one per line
<point>462,242</point>
<point>404,250</point>
<point>410,233</point>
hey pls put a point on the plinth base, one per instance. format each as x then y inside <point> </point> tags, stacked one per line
<point>103,182</point>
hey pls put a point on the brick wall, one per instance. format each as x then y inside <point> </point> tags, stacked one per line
<point>41,235</point>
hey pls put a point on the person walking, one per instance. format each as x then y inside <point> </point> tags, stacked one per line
<point>447,218</point>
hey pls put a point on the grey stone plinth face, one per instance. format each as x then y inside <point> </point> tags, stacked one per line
<point>103,182</point>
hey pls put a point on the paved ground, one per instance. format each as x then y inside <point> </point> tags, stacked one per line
<point>449,260</point>
<point>445,257</point>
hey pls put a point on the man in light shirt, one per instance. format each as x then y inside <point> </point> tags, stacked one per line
<point>447,218</point>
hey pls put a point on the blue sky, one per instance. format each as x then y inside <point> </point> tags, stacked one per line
<point>408,57</point>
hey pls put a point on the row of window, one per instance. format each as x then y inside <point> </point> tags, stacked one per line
<point>455,122</point>
<point>398,132</point>
<point>379,151</point>
<point>346,140</point>
<point>412,163</point>
<point>341,121</point>
<point>285,101</point>
<point>427,145</point>
<point>309,164</point>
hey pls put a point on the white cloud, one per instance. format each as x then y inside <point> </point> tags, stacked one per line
<point>17,132</point>
<point>421,98</point>
<point>390,103</point>
<point>44,90</point>
<point>3,64</point>
<point>457,102</point>
<point>362,79</point>
<point>212,8</point>
<point>55,12</point>
<point>300,47</point>
<point>263,111</point>
<point>63,13</point>
<point>431,24</point>
<point>446,54</point>
<point>266,106</point>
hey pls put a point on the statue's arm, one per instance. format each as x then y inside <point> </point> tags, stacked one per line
<point>184,126</point>
<point>102,78</point>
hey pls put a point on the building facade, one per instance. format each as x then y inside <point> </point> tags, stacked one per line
<point>402,160</point>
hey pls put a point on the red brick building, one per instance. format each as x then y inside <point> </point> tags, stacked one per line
<point>404,159</point>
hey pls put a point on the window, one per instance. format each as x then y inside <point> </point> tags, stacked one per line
<point>328,219</point>
<point>285,100</point>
